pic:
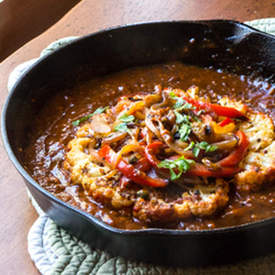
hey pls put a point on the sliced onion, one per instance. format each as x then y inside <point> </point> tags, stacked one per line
<point>114,137</point>
<point>99,124</point>
<point>134,134</point>
<point>208,163</point>
<point>136,106</point>
<point>148,136</point>
<point>174,129</point>
<point>166,137</point>
<point>227,144</point>
<point>152,99</point>
<point>127,149</point>
<point>166,100</point>
<point>181,143</point>
<point>150,125</point>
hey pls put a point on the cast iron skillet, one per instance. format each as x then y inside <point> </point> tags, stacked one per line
<point>218,44</point>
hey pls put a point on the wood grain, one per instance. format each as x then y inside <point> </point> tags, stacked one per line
<point>88,16</point>
<point>20,22</point>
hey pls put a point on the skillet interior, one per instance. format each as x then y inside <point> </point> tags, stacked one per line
<point>220,44</point>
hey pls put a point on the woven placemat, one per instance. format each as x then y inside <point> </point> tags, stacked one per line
<point>54,251</point>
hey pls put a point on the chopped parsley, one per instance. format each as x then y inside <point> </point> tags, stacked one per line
<point>196,151</point>
<point>127,118</point>
<point>97,111</point>
<point>176,167</point>
<point>186,106</point>
<point>172,95</point>
<point>181,118</point>
<point>180,104</point>
<point>190,146</point>
<point>122,127</point>
<point>184,131</point>
<point>196,147</point>
<point>207,147</point>
<point>184,125</point>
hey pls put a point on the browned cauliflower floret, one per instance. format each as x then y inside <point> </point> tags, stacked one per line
<point>160,205</point>
<point>204,200</point>
<point>259,130</point>
<point>102,183</point>
<point>96,179</point>
<point>201,200</point>
<point>259,164</point>
<point>258,168</point>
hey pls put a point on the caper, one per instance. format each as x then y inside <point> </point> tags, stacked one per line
<point>208,130</point>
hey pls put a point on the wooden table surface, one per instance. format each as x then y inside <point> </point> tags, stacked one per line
<point>16,213</point>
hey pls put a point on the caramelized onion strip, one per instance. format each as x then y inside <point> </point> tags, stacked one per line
<point>114,137</point>
<point>150,124</point>
<point>228,144</point>
<point>167,138</point>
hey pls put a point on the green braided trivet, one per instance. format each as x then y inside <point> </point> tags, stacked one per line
<point>54,251</point>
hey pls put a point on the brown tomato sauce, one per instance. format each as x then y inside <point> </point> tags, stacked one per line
<point>53,129</point>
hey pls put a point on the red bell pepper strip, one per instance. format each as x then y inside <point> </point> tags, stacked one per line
<point>143,164</point>
<point>201,170</point>
<point>138,176</point>
<point>238,154</point>
<point>218,109</point>
<point>129,170</point>
<point>106,153</point>
<point>151,151</point>
<point>228,164</point>
<point>225,111</point>
<point>225,122</point>
<point>197,169</point>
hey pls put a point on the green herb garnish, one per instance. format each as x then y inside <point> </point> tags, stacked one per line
<point>179,101</point>
<point>207,147</point>
<point>176,167</point>
<point>184,131</point>
<point>172,95</point>
<point>122,127</point>
<point>185,125</point>
<point>127,118</point>
<point>180,104</point>
<point>187,106</point>
<point>203,146</point>
<point>196,151</point>
<point>97,111</point>
<point>190,146</point>
<point>181,118</point>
